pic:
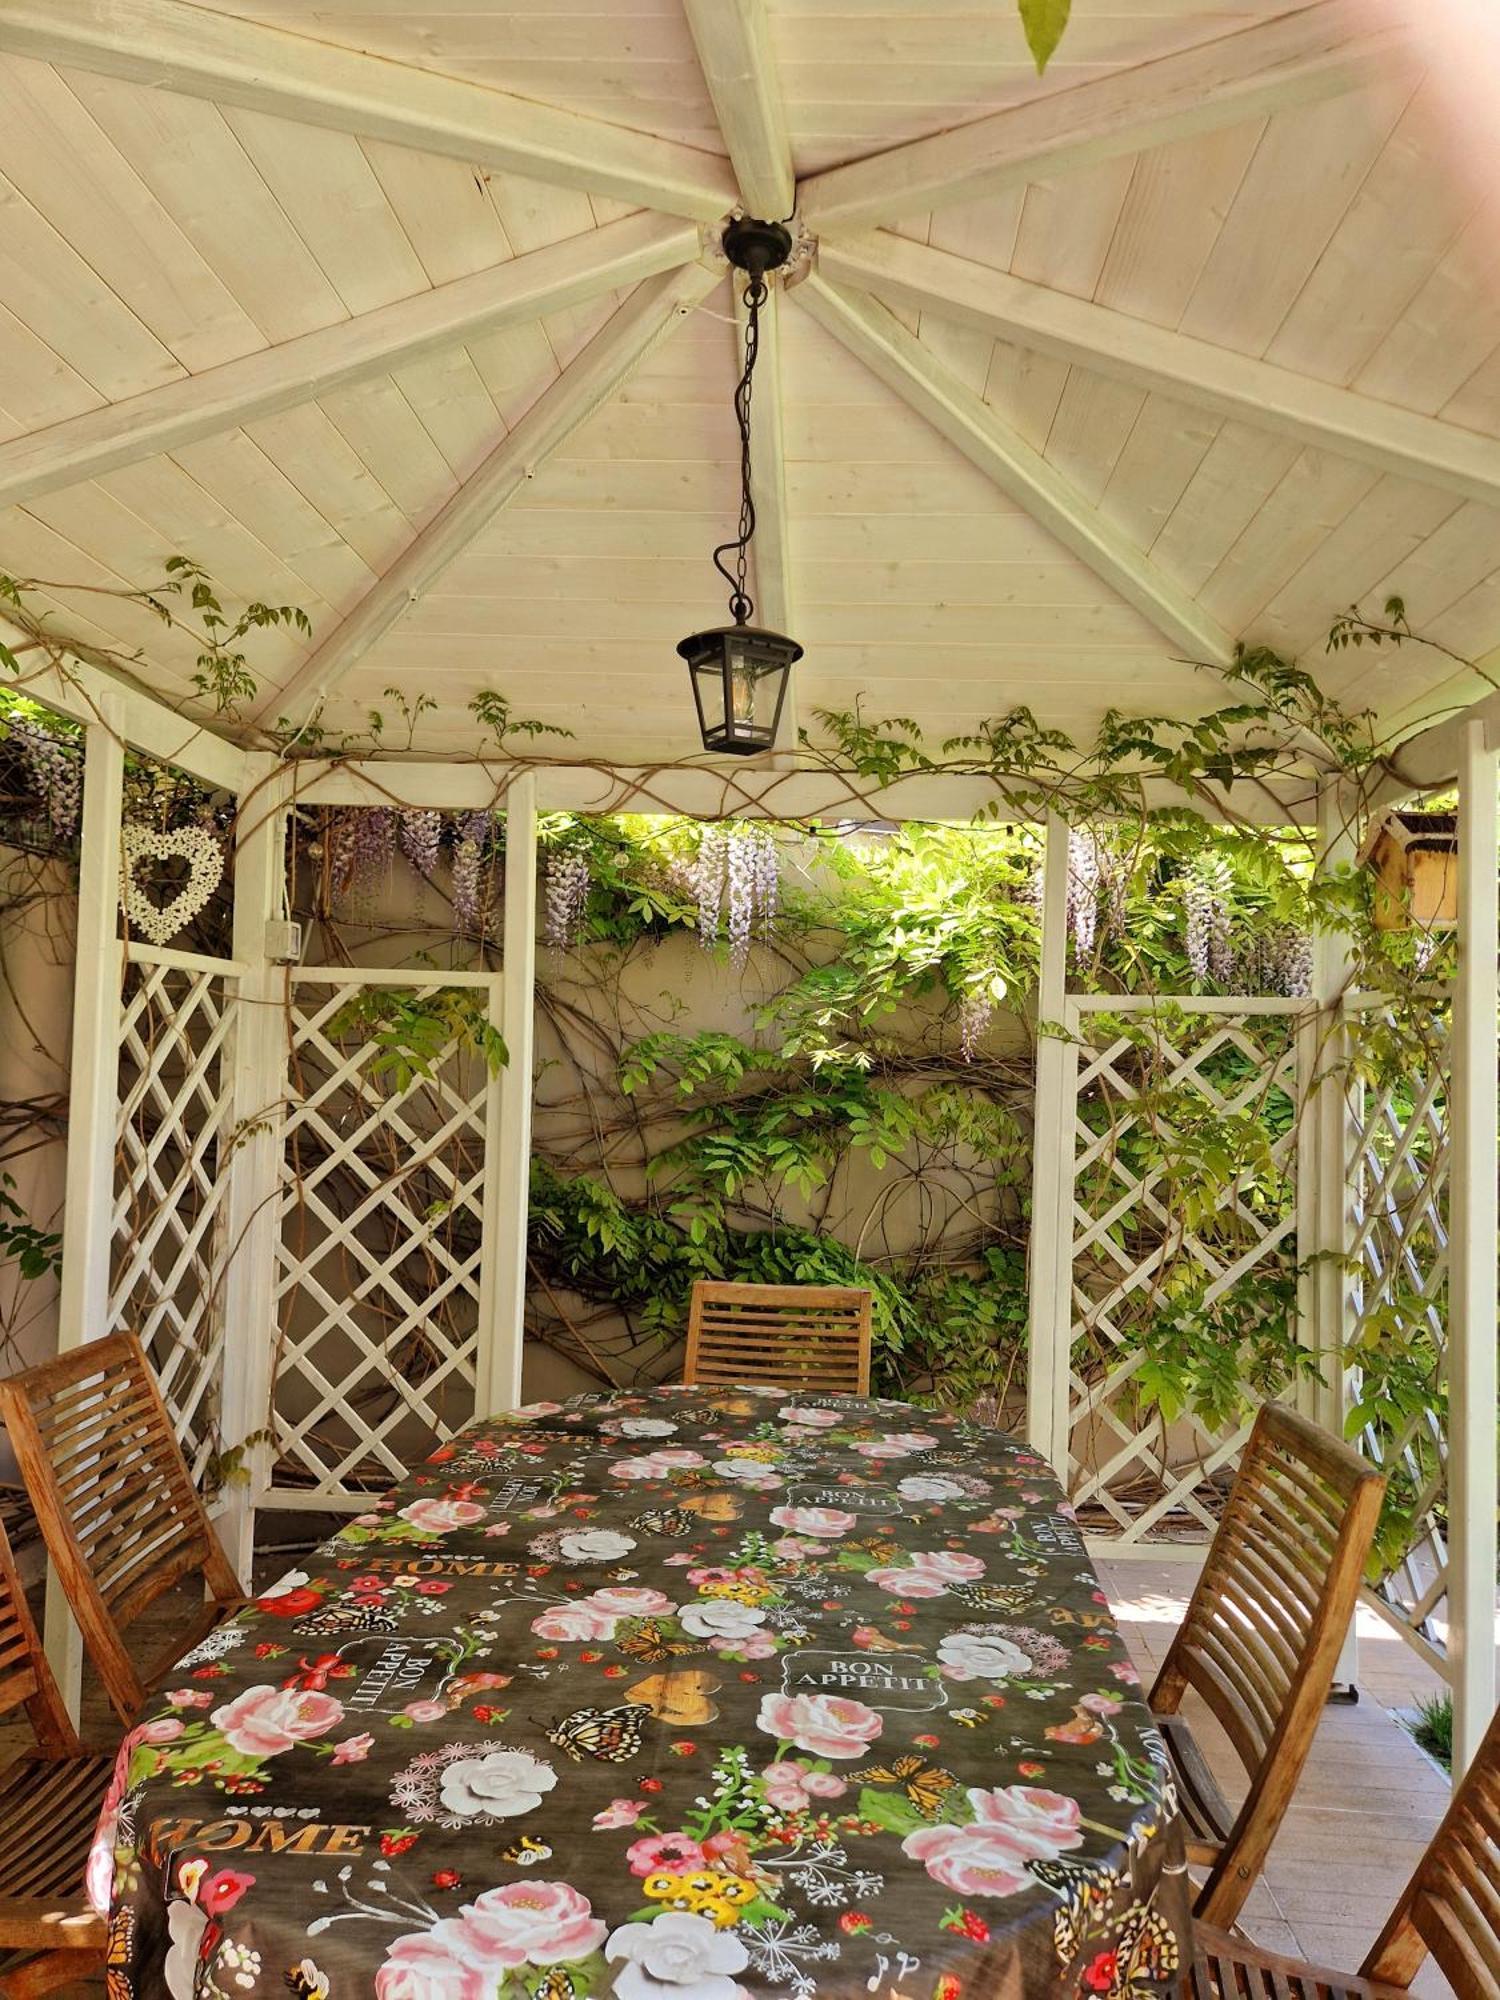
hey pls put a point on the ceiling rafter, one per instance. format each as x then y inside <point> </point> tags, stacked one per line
<point>585,385</point>
<point>900,360</point>
<point>733,41</point>
<point>1319,51</point>
<point>168,44</point>
<point>1156,358</point>
<point>296,371</point>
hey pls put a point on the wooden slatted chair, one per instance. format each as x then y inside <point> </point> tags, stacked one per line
<point>1450,1909</point>
<point>49,1804</point>
<point>116,1504</point>
<point>815,1338</point>
<point>1262,1637</point>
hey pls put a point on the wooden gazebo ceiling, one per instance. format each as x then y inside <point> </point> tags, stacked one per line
<point>411,312</point>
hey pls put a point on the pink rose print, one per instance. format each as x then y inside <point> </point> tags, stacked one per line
<point>624,1601</point>
<point>618,1813</point>
<point>441,1517</point>
<point>353,1749</point>
<point>791,1788</point>
<point>825,1725</point>
<point>665,1853</point>
<point>265,1721</point>
<point>532,1923</point>
<point>815,1420</point>
<point>825,1523</point>
<point>425,1711</point>
<point>1013,1825</point>
<point>190,1698</point>
<point>574,1621</point>
<point>432,1962</point>
<point>900,1444</point>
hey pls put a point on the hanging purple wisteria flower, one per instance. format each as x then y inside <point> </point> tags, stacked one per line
<point>468,856</point>
<point>55,769</point>
<point>708,882</point>
<point>421,838</point>
<point>1083,890</point>
<point>566,891</point>
<point>372,833</point>
<point>737,882</point>
<point>975,1012</point>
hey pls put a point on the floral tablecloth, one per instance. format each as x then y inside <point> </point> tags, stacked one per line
<point>687,1695</point>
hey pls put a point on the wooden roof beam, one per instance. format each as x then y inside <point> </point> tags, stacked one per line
<point>201,53</point>
<point>900,360</point>
<point>332,357</point>
<point>734,52</point>
<point>1297,58</point>
<point>1155,358</point>
<point>585,385</point>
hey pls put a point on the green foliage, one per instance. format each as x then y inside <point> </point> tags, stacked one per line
<point>494,711</point>
<point>1433,1729</point>
<point>37,1253</point>
<point>223,676</point>
<point>411,1031</point>
<point>1044,21</point>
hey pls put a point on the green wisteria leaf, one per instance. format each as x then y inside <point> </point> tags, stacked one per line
<point>1043,21</point>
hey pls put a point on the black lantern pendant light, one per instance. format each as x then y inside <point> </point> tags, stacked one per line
<point>739,672</point>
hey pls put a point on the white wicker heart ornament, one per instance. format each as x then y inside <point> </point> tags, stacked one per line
<point>196,846</point>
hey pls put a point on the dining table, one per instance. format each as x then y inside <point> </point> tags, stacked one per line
<point>680,1693</point>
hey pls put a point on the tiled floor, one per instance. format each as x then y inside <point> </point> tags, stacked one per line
<point>1367,1804</point>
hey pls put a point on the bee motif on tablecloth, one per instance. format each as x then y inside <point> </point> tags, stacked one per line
<point>526,1852</point>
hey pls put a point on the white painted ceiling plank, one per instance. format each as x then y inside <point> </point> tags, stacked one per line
<point>733,41</point>
<point>259,68</point>
<point>259,385</point>
<point>899,359</point>
<point>650,313</point>
<point>1320,414</point>
<point>1316,52</point>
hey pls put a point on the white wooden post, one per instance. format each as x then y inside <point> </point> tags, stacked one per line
<point>507,1145</point>
<point>93,1090</point>
<point>1325,1198</point>
<point>1472,1281</point>
<point>254,1163</point>
<point>1050,1254</point>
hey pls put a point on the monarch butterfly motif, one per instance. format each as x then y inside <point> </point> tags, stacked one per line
<point>1147,1953</point>
<point>609,1735</point>
<point>649,1644</point>
<point>1087,1891</point>
<point>1012,1597</point>
<point>342,1619</point>
<point>925,1785</point>
<point>664,1521</point>
<point>118,1953</point>
<point>526,1852</point>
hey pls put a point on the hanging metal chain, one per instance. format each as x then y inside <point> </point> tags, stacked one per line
<point>741,605</point>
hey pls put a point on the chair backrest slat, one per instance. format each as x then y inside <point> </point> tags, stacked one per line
<point>805,1337</point>
<point>25,1677</point>
<point>116,1503</point>
<point>1451,1906</point>
<point>1263,1632</point>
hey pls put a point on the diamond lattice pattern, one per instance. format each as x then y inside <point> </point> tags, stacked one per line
<point>1399,1178</point>
<point>379,1250</point>
<point>1138,1248</point>
<point>172,1134</point>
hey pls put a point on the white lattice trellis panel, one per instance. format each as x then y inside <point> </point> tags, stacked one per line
<point>172,1133</point>
<point>1134,1250</point>
<point>1400,1247</point>
<point>379,1253</point>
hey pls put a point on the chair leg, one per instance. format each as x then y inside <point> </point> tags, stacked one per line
<point>53,1969</point>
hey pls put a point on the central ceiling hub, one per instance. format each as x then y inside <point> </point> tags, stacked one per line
<point>757,247</point>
